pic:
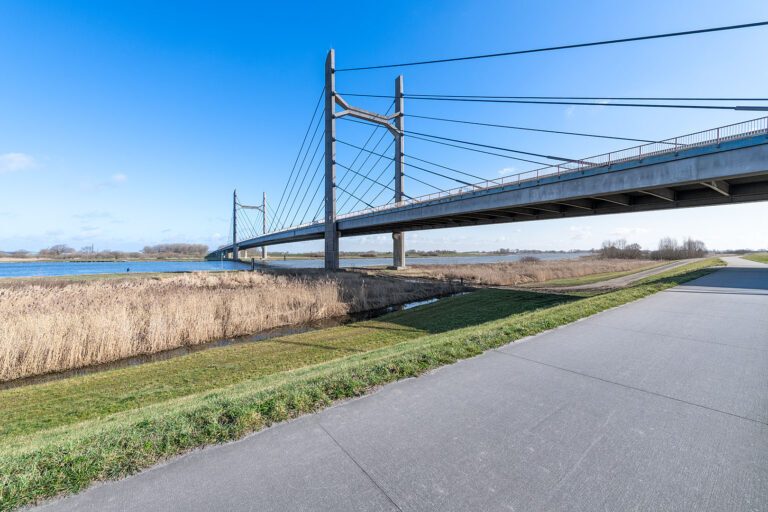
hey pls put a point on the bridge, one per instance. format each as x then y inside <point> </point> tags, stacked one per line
<point>717,166</point>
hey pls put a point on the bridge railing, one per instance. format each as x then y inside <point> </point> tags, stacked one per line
<point>672,145</point>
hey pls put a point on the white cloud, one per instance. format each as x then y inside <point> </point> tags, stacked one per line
<point>10,162</point>
<point>506,171</point>
<point>119,178</point>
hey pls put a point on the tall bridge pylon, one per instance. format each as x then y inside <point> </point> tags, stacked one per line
<point>251,230</point>
<point>393,123</point>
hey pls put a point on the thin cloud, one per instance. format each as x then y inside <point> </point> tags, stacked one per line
<point>114,181</point>
<point>13,162</point>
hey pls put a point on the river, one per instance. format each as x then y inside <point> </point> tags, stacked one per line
<point>67,268</point>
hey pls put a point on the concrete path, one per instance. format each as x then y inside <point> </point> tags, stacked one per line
<point>660,405</point>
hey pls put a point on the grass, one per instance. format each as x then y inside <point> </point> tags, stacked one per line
<point>521,272</point>
<point>596,278</point>
<point>38,461</point>
<point>32,408</point>
<point>59,325</point>
<point>759,257</point>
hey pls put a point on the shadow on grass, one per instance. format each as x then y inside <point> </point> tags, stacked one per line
<point>474,309</point>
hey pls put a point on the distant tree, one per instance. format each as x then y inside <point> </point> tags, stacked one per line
<point>57,250</point>
<point>170,250</point>
<point>669,249</point>
<point>620,249</point>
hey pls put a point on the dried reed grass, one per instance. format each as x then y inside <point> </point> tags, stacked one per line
<point>55,326</point>
<point>524,272</point>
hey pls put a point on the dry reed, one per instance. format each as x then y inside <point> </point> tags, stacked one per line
<point>55,326</point>
<point>523,272</point>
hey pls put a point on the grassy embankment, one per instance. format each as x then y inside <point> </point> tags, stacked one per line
<point>760,257</point>
<point>596,278</point>
<point>520,273</point>
<point>61,436</point>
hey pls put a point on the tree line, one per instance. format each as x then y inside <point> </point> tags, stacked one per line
<point>668,249</point>
<point>160,251</point>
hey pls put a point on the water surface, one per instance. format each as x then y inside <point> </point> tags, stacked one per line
<point>67,268</point>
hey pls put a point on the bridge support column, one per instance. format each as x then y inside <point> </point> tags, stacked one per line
<point>235,252</point>
<point>398,237</point>
<point>264,223</point>
<point>331,232</point>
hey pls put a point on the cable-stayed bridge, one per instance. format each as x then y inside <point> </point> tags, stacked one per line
<point>720,165</point>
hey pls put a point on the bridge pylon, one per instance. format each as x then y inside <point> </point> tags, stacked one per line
<point>235,248</point>
<point>332,99</point>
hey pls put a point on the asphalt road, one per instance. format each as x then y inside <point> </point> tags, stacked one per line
<point>658,405</point>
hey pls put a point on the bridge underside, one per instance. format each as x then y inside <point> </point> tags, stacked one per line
<point>739,190</point>
<point>727,173</point>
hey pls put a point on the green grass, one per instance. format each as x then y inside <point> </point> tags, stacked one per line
<point>595,278</point>
<point>760,257</point>
<point>42,458</point>
<point>32,408</point>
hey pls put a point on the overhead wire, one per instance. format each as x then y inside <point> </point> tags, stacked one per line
<point>296,161</point>
<point>301,166</point>
<point>560,47</point>
<point>528,129</point>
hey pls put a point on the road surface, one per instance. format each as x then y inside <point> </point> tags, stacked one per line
<point>658,405</point>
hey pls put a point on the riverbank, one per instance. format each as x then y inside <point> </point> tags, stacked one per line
<point>57,325</point>
<point>59,437</point>
<point>521,273</point>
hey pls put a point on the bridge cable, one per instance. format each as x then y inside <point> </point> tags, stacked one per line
<point>347,192</point>
<point>560,47</point>
<point>370,170</point>
<point>593,104</point>
<point>341,180</point>
<point>423,160</point>
<point>423,182</point>
<point>371,179</point>
<point>522,128</point>
<point>380,175</point>
<point>301,166</point>
<point>376,127</point>
<point>375,164</point>
<point>592,98</point>
<point>462,147</point>
<point>550,157</point>
<point>314,176</point>
<point>304,178</point>
<point>360,167</point>
<point>306,134</point>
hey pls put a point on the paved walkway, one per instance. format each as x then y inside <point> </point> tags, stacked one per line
<point>658,405</point>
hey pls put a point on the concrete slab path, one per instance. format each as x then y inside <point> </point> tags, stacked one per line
<point>660,405</point>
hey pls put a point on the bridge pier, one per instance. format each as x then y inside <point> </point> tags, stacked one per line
<point>398,237</point>
<point>331,231</point>
<point>264,223</point>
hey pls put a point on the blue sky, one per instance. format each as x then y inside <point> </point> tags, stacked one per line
<point>124,124</point>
